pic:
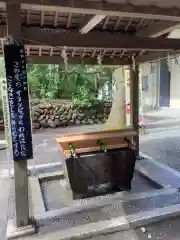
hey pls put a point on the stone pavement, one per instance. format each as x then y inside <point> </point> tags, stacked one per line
<point>166,230</point>
<point>162,143</point>
<point>163,113</point>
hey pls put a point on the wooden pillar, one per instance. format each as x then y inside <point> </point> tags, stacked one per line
<point>20,167</point>
<point>134,97</point>
<point>13,20</point>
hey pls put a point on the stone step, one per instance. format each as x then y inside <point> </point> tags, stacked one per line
<point>99,210</point>
<point>90,230</point>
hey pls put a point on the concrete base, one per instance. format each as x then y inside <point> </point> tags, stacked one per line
<point>3,144</point>
<point>35,196</point>
<point>16,232</point>
<point>49,176</point>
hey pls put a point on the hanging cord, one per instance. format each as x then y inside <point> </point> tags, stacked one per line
<point>99,58</point>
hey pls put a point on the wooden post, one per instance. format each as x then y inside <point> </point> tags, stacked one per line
<point>20,167</point>
<point>134,96</point>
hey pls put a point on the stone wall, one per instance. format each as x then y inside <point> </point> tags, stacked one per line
<point>54,115</point>
<point>61,115</point>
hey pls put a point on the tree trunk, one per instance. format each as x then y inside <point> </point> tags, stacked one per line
<point>110,87</point>
<point>117,117</point>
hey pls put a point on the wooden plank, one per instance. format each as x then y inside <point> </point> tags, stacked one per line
<point>95,135</point>
<point>87,142</point>
<point>155,56</point>
<point>96,39</point>
<point>13,20</point>
<point>169,11</point>
<point>77,60</point>
<point>94,149</point>
<point>158,29</point>
<point>84,144</point>
<point>89,22</point>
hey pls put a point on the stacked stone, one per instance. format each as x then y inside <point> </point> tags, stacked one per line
<point>62,115</point>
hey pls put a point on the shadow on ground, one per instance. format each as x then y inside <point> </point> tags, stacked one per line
<point>166,230</point>
<point>165,150</point>
<point>163,125</point>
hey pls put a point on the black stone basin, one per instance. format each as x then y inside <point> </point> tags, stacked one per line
<point>101,172</point>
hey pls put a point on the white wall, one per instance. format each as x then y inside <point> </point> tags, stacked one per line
<point>175,76</point>
<point>151,97</point>
<point>175,84</point>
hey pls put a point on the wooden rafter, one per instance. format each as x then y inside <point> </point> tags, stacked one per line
<point>95,39</point>
<point>171,13</point>
<point>157,29</point>
<point>42,19</point>
<point>83,54</point>
<point>103,53</point>
<point>105,22</point>
<point>140,24</point>
<point>28,18</point>
<point>130,21</point>
<point>93,53</point>
<point>89,22</point>
<point>148,57</point>
<point>51,51</point>
<point>28,51</point>
<point>77,60</point>
<point>69,20</point>
<point>40,51</point>
<point>116,26</point>
<point>73,52</point>
<point>56,19</point>
<point>122,53</point>
<point>113,53</point>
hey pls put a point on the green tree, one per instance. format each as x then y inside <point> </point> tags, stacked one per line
<point>79,83</point>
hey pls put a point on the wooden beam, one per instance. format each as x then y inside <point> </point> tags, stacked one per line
<point>90,22</point>
<point>149,57</point>
<point>13,20</point>
<point>96,39</point>
<point>56,19</point>
<point>158,29</point>
<point>116,26</point>
<point>76,60</point>
<point>3,31</point>
<point>115,8</point>
<point>134,102</point>
<point>68,24</point>
<point>105,23</point>
<point>20,167</point>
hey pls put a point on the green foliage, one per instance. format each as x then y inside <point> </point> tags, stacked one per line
<point>84,98</point>
<point>80,84</point>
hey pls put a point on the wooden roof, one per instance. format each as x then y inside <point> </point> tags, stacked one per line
<point>124,30</point>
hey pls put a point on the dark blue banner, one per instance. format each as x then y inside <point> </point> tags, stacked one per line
<point>18,98</point>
